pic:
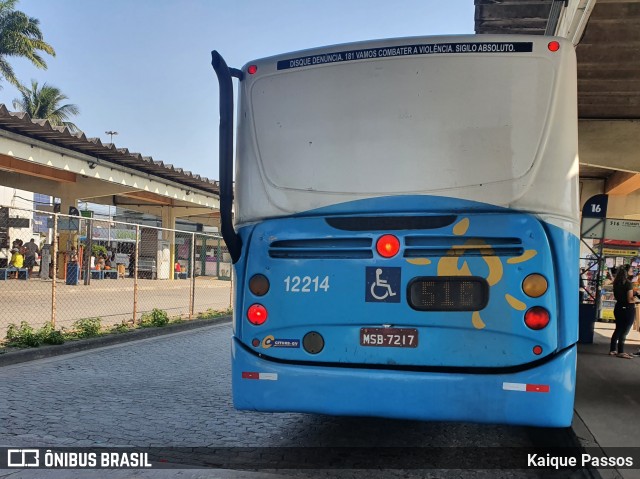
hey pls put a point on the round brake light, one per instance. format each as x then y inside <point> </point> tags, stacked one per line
<point>553,46</point>
<point>257,314</point>
<point>388,246</point>
<point>536,318</point>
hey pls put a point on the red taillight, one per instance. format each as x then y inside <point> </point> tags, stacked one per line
<point>252,69</point>
<point>537,350</point>
<point>257,314</point>
<point>536,318</point>
<point>553,46</point>
<point>388,246</point>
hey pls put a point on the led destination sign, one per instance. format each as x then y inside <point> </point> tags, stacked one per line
<point>442,293</point>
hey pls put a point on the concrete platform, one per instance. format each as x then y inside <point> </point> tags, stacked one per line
<point>607,407</point>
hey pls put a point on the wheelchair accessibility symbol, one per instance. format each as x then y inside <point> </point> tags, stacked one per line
<point>382,285</point>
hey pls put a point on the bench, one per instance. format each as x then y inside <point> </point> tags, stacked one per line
<point>147,268</point>
<point>23,273</point>
<point>97,274</point>
<point>180,275</point>
<point>110,273</point>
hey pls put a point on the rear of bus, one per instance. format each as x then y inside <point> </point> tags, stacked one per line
<point>407,211</point>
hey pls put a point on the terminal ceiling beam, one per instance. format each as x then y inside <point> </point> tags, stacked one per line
<point>609,62</point>
<point>622,183</point>
<point>611,144</point>
<point>149,198</point>
<point>10,163</point>
<point>193,213</point>
<point>29,183</point>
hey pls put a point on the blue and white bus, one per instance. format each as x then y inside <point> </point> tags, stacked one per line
<point>405,231</point>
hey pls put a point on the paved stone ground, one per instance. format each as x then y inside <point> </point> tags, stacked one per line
<point>175,391</point>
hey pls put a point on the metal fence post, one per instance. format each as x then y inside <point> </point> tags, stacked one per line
<point>54,248</point>
<point>135,275</point>
<point>89,253</point>
<point>218,258</point>
<point>192,268</point>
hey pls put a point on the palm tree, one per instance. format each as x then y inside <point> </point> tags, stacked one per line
<point>45,103</point>
<point>20,36</point>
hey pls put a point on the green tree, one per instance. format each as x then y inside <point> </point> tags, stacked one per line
<point>45,103</point>
<point>20,36</point>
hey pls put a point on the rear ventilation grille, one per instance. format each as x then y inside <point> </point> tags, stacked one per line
<point>421,246</point>
<point>414,247</point>
<point>322,248</point>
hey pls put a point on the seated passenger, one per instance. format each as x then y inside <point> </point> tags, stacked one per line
<point>17,261</point>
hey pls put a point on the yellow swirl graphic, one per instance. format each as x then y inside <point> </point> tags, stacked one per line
<point>477,321</point>
<point>419,261</point>
<point>495,267</point>
<point>448,266</point>
<point>462,227</point>
<point>526,256</point>
<point>514,303</point>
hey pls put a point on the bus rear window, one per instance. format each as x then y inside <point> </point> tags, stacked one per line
<point>397,126</point>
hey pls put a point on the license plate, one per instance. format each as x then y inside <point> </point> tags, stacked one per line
<point>389,337</point>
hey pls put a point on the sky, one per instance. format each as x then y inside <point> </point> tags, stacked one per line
<point>143,67</point>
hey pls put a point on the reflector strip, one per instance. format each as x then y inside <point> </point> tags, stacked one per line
<point>529,388</point>
<point>263,376</point>
<point>537,388</point>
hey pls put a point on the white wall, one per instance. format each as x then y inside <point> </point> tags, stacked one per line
<point>15,199</point>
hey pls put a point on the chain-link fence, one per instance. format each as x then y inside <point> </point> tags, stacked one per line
<point>61,270</point>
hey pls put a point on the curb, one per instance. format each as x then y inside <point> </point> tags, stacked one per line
<point>587,441</point>
<point>31,354</point>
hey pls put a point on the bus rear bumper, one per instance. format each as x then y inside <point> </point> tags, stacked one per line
<point>542,396</point>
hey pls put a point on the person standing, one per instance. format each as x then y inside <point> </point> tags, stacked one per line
<point>73,255</point>
<point>624,311</point>
<point>582,295</point>
<point>132,263</point>
<point>31,252</point>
